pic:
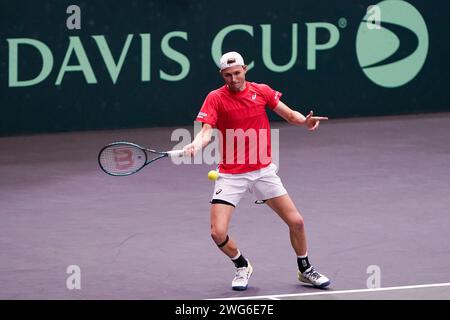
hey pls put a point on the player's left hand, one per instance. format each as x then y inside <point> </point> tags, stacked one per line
<point>312,122</point>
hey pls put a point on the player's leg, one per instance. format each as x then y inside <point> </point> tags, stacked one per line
<point>285,208</point>
<point>220,219</point>
<point>228,191</point>
<point>269,188</point>
<point>287,211</point>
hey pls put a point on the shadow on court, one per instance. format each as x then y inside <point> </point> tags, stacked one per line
<point>373,192</point>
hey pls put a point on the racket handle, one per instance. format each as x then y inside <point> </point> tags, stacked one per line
<point>175,153</point>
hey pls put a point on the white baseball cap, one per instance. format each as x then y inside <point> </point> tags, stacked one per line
<point>231,59</point>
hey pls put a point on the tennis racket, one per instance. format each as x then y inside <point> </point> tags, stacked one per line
<point>125,158</point>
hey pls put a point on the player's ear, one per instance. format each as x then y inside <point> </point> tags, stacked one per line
<point>245,69</point>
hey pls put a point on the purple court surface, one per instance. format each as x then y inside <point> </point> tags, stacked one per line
<point>374,192</point>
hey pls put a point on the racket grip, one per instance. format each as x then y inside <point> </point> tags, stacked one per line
<point>175,153</point>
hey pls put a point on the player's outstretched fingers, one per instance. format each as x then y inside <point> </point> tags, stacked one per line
<point>316,124</point>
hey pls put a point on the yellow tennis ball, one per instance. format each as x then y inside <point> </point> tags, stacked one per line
<point>213,175</point>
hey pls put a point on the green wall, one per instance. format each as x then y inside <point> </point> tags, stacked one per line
<point>151,63</point>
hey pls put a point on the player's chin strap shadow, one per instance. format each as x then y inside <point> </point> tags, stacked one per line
<point>260,201</point>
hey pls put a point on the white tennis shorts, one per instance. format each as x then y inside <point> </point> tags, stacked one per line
<point>263,184</point>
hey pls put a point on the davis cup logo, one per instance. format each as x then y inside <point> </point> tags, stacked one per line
<point>394,53</point>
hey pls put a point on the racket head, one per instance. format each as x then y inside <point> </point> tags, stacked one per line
<point>122,158</point>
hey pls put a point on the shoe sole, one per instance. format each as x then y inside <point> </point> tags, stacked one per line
<point>240,288</point>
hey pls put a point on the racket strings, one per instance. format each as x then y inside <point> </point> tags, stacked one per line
<point>122,159</point>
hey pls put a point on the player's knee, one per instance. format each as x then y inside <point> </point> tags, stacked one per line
<point>298,223</point>
<point>218,235</point>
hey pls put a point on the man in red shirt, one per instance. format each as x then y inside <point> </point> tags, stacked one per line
<point>238,111</point>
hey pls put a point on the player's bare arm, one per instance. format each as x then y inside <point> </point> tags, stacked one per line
<point>201,140</point>
<point>296,118</point>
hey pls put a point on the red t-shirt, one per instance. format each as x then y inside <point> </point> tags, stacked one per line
<point>243,124</point>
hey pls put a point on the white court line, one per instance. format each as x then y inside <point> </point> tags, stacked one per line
<point>277,296</point>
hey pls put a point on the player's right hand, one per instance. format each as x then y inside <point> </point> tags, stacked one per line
<point>190,150</point>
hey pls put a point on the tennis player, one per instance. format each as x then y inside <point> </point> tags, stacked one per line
<point>240,107</point>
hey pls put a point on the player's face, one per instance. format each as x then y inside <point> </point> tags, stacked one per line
<point>235,77</point>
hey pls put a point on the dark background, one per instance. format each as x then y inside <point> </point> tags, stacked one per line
<point>337,88</point>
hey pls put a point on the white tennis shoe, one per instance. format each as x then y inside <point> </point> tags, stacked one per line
<point>240,281</point>
<point>313,277</point>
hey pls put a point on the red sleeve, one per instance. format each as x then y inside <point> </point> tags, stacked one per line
<point>208,111</point>
<point>272,96</point>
